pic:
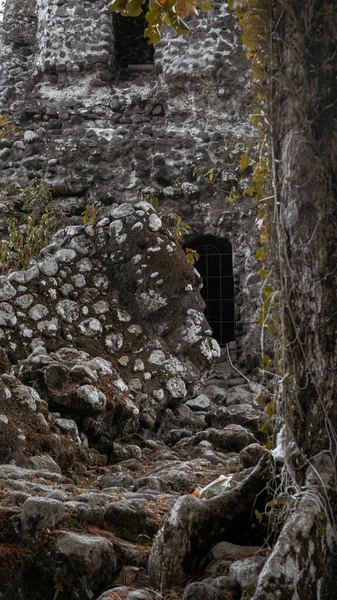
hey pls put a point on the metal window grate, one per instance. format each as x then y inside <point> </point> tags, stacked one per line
<point>215,266</point>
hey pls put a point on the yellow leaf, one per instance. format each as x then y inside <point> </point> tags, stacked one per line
<point>210,176</point>
<point>245,161</point>
<point>264,237</point>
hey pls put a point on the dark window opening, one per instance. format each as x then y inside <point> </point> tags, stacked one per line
<point>215,266</point>
<point>133,52</point>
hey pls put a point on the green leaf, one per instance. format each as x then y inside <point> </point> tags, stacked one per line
<point>259,516</point>
<point>117,5</point>
<point>133,8</point>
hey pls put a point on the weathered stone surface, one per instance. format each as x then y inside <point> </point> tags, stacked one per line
<point>41,513</point>
<point>92,558</point>
<point>44,462</point>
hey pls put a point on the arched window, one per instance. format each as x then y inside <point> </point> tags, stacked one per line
<point>215,266</point>
<point>133,52</point>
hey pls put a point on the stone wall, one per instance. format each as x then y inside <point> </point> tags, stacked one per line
<point>97,139</point>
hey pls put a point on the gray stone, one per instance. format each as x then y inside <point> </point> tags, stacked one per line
<point>176,387</point>
<point>247,571</point>
<point>7,290</point>
<point>44,462</point>
<point>41,513</point>
<point>68,310</point>
<point>114,342</point>
<point>200,403</point>
<point>81,244</point>
<point>24,276</point>
<point>200,590</point>
<point>66,426</point>
<point>84,265</point>
<point>48,327</point>
<point>7,315</point>
<point>78,280</point>
<point>38,312</point>
<point>65,255</point>
<point>48,267</point>
<point>25,301</point>
<point>92,557</point>
<point>101,307</point>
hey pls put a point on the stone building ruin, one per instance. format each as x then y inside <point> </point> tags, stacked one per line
<point>99,136</point>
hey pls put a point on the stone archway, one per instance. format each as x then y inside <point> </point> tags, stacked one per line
<point>215,265</point>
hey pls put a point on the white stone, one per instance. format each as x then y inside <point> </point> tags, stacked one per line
<point>136,259</point>
<point>65,255</point>
<point>30,136</point>
<point>48,327</point>
<point>157,357</point>
<point>28,397</point>
<point>121,385</point>
<point>145,206</point>
<point>38,312</point>
<point>176,387</point>
<point>101,307</point>
<point>48,267</point>
<point>155,223</point>
<point>91,398</point>
<point>102,366</point>
<point>123,315</point>
<point>137,226</point>
<point>114,341</point>
<point>151,301</point>
<point>68,310</point>
<point>26,332</point>
<point>139,365</point>
<point>90,327</point>
<point>101,281</point>
<point>7,315</point>
<point>7,290</point>
<point>189,188</point>
<point>135,329</point>
<point>4,419</point>
<point>159,394</point>
<point>124,210</point>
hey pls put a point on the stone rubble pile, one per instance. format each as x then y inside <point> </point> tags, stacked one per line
<point>80,521</point>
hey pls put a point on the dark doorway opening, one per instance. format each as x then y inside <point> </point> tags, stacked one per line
<point>131,47</point>
<point>215,266</point>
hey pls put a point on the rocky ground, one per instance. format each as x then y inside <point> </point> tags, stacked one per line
<point>79,521</point>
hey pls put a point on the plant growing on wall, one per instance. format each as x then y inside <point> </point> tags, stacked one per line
<point>28,237</point>
<point>292,48</point>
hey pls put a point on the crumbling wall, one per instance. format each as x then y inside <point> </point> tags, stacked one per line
<point>97,140</point>
<point>122,291</point>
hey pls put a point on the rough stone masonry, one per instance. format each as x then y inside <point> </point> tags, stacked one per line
<point>103,134</point>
